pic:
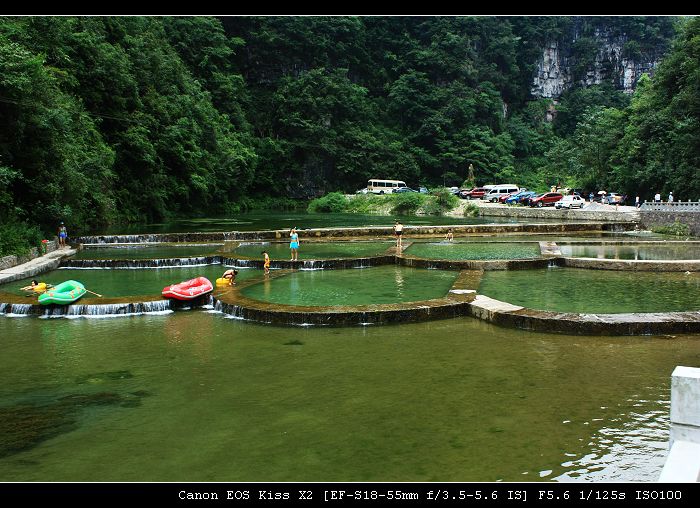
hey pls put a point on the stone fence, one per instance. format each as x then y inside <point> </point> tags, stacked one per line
<point>12,261</point>
<point>674,206</point>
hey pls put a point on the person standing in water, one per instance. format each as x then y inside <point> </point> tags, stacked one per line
<point>449,236</point>
<point>294,244</point>
<point>398,232</point>
<point>266,265</point>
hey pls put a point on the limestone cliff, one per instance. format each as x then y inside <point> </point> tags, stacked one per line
<point>564,64</point>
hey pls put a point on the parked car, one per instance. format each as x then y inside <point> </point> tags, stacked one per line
<point>503,198</point>
<point>615,199</point>
<point>475,193</point>
<point>423,190</point>
<point>402,190</point>
<point>454,190</point>
<point>571,201</point>
<point>546,199</point>
<point>520,197</point>
<point>362,191</point>
<point>498,190</point>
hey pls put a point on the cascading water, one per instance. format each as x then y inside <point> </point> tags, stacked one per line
<point>96,264</point>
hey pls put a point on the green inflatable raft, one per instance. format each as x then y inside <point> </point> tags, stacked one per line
<point>63,294</point>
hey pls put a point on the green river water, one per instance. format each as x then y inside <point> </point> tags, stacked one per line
<point>594,291</point>
<point>377,285</point>
<point>195,396</point>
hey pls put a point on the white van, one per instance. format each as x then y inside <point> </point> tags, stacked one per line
<point>378,186</point>
<point>500,190</point>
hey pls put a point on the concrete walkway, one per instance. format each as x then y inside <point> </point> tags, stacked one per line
<point>36,266</point>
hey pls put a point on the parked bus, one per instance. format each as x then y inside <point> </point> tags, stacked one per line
<point>384,186</point>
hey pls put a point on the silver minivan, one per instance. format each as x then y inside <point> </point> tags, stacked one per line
<point>500,190</point>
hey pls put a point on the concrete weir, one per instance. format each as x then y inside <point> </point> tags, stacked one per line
<point>506,314</point>
<point>232,302</point>
<point>375,231</point>
<point>97,307</point>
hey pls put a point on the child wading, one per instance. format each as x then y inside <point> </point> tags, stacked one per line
<point>294,244</point>
<point>267,262</point>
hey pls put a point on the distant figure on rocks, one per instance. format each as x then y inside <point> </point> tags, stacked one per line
<point>657,197</point>
<point>636,202</point>
<point>590,197</point>
<point>398,232</point>
<point>294,244</point>
<point>62,235</point>
<point>670,197</point>
<point>266,257</point>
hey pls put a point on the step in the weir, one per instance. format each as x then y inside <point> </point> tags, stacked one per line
<point>549,249</point>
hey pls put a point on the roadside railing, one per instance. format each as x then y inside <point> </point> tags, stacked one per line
<point>674,206</point>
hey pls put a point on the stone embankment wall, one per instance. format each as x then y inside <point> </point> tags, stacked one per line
<point>564,214</point>
<point>12,261</point>
<point>667,218</point>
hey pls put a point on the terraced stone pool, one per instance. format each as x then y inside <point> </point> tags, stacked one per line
<point>313,250</point>
<point>366,286</point>
<point>593,291</point>
<point>651,252</point>
<point>126,282</point>
<point>458,250</point>
<point>145,251</point>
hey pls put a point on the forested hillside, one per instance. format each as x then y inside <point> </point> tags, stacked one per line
<point>114,119</point>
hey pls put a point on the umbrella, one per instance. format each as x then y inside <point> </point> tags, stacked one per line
<point>602,192</point>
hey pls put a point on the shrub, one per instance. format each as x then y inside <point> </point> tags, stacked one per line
<point>471,210</point>
<point>678,228</point>
<point>17,238</point>
<point>333,202</point>
<point>406,202</point>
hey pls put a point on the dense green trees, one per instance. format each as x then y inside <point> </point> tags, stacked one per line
<point>136,119</point>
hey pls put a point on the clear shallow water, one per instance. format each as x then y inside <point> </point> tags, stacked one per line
<point>127,282</point>
<point>148,251</point>
<point>376,285</point>
<point>194,396</point>
<point>259,221</point>
<point>457,250</point>
<point>312,250</point>
<point>636,252</point>
<point>594,291</point>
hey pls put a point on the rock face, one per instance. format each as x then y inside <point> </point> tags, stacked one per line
<point>556,69</point>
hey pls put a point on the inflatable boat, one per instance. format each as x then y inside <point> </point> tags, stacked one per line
<point>62,294</point>
<point>189,289</point>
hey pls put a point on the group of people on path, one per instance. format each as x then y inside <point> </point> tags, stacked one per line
<point>657,197</point>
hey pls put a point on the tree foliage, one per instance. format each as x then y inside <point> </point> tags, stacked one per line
<point>106,119</point>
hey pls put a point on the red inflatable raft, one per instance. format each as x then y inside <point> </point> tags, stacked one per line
<point>189,289</point>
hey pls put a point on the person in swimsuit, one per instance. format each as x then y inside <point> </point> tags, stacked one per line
<point>398,231</point>
<point>231,276</point>
<point>294,244</point>
<point>449,236</point>
<point>267,262</point>
<point>62,235</point>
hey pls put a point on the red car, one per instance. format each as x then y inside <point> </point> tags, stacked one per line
<point>475,193</point>
<point>546,199</point>
<point>503,198</point>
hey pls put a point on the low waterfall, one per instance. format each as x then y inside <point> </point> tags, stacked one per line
<point>109,310</point>
<point>16,309</point>
<point>232,311</point>
<point>98,264</point>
